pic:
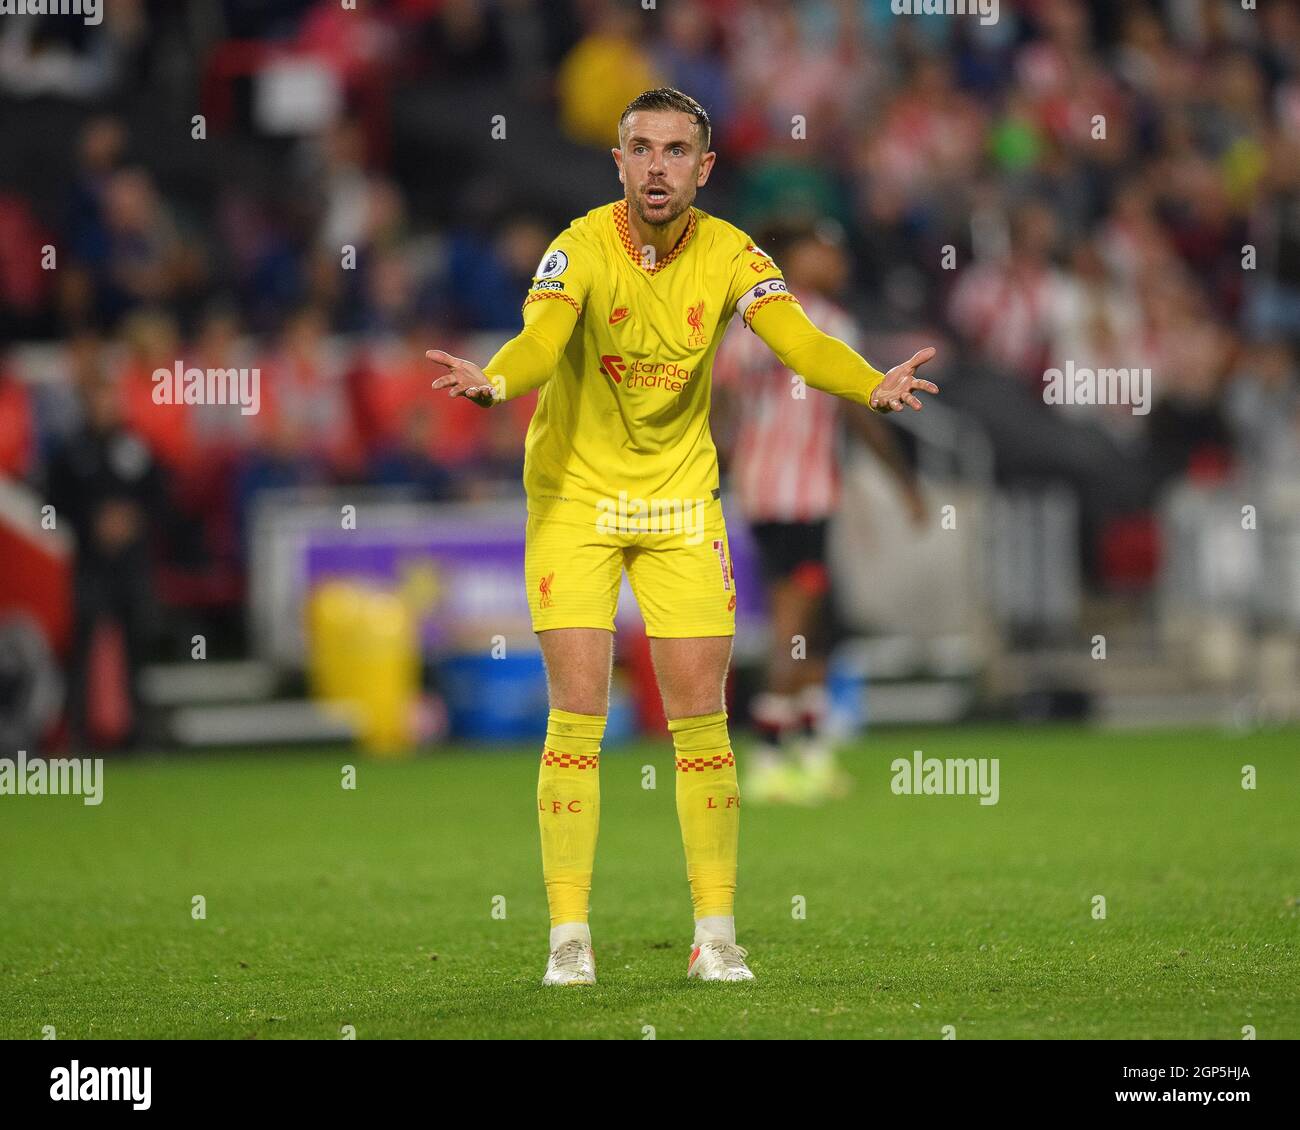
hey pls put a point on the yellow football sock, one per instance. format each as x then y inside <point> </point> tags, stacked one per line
<point>708,809</point>
<point>568,810</point>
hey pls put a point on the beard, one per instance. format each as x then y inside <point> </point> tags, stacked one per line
<point>662,217</point>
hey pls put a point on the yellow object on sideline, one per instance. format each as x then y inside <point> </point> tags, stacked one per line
<point>363,659</point>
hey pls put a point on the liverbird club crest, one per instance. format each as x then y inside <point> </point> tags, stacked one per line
<point>695,323</point>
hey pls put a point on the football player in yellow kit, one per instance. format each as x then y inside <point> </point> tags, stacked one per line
<point>621,325</point>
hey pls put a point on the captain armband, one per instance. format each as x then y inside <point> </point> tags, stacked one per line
<point>761,293</point>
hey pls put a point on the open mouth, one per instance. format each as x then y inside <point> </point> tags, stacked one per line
<point>657,195</point>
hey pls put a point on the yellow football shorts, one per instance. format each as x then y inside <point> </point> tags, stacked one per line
<point>678,564</point>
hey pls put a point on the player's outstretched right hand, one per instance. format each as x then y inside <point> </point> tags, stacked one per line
<point>463,378</point>
<point>901,381</point>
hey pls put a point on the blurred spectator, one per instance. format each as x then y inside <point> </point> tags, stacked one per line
<point>24,281</point>
<point>16,439</point>
<point>100,146</point>
<point>820,84</point>
<point>260,242</point>
<point>497,467</point>
<point>606,69</point>
<point>354,41</point>
<point>252,19</point>
<point>1264,410</point>
<point>484,278</point>
<point>1002,307</point>
<point>1191,354</point>
<point>59,407</point>
<point>687,57</point>
<point>51,55</point>
<point>362,220</point>
<point>1096,324</point>
<point>305,420</point>
<point>220,429</point>
<point>153,343</point>
<point>406,462</point>
<point>392,384</point>
<point>133,253</point>
<point>1274,303</point>
<point>108,490</point>
<point>929,137</point>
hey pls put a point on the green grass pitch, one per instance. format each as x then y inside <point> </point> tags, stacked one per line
<point>374,907</point>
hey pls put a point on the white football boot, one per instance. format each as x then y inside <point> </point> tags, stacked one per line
<point>573,963</point>
<point>822,776</point>
<point>716,960</point>
<point>775,782</point>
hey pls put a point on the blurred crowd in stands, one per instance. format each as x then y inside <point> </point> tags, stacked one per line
<point>1112,184</point>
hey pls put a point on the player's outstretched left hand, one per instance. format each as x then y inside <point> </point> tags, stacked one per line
<point>463,378</point>
<point>900,382</point>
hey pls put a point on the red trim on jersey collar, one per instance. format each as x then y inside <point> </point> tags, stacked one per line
<point>634,253</point>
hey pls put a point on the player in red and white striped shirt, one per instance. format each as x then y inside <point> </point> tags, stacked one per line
<point>784,468</point>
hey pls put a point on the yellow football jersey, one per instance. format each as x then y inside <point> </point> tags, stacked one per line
<point>626,408</point>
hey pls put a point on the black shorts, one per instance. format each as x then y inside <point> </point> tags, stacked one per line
<point>793,551</point>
